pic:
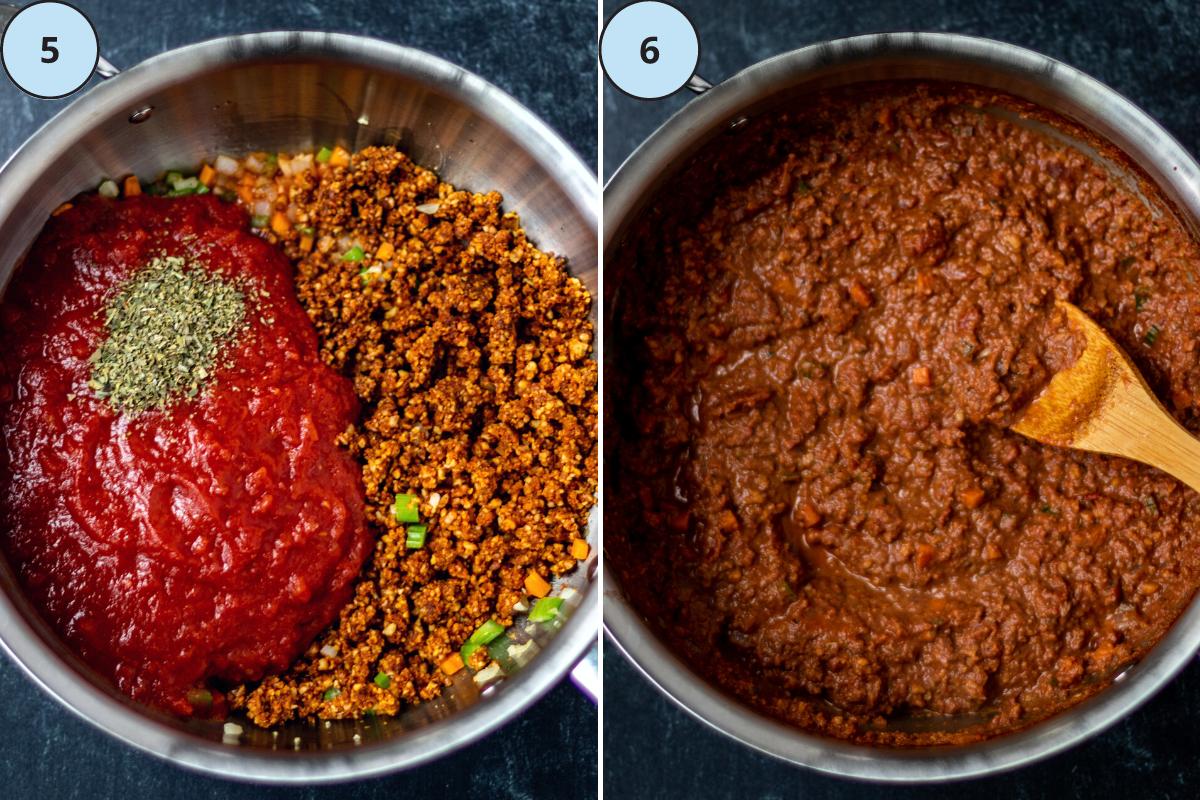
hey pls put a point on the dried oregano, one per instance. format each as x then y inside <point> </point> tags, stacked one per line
<point>166,327</point>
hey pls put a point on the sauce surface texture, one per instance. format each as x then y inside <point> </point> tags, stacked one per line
<point>821,335</point>
<point>212,539</point>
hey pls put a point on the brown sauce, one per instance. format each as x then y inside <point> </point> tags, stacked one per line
<point>820,332</point>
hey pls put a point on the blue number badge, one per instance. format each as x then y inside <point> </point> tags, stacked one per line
<point>649,49</point>
<point>50,49</point>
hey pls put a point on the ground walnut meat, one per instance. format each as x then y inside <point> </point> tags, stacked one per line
<point>470,351</point>
<point>824,331</point>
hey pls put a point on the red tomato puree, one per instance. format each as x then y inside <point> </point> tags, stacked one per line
<point>210,540</point>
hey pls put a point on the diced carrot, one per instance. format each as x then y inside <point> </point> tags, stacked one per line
<point>924,282</point>
<point>536,585</point>
<point>306,243</point>
<point>972,497</point>
<point>810,514</point>
<point>579,549</point>
<point>246,193</point>
<point>340,157</point>
<point>452,664</point>
<point>61,209</point>
<point>925,554</point>
<point>133,187</point>
<point>247,179</point>
<point>860,295</point>
<point>727,521</point>
<point>921,376</point>
<point>280,224</point>
<point>384,252</point>
<point>207,173</point>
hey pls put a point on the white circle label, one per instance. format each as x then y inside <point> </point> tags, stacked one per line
<point>649,49</point>
<point>50,49</point>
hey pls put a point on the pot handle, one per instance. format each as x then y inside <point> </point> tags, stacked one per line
<point>586,674</point>
<point>698,84</point>
<point>104,67</point>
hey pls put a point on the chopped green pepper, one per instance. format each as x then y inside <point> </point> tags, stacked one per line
<point>199,697</point>
<point>498,650</point>
<point>354,254</point>
<point>486,632</point>
<point>382,680</point>
<point>414,536</point>
<point>184,186</point>
<point>307,230</point>
<point>1140,296</point>
<point>259,221</point>
<point>323,155</point>
<point>467,650</point>
<point>545,609</point>
<point>483,634</point>
<point>331,693</point>
<point>407,508</point>
<point>1152,335</point>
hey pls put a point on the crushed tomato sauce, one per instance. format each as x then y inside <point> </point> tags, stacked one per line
<point>207,541</point>
<point>823,333</point>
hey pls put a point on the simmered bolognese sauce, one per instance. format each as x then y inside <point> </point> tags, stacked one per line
<point>820,334</point>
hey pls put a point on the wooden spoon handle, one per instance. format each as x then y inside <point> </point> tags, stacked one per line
<point>1171,448</point>
<point>1138,427</point>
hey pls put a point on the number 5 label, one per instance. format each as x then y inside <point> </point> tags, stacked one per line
<point>50,49</point>
<point>649,49</point>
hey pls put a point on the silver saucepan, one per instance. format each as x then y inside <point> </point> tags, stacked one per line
<point>291,91</point>
<point>771,84</point>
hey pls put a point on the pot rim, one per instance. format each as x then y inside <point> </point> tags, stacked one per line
<point>634,180</point>
<point>143,729</point>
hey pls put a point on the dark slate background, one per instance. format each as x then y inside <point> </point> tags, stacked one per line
<point>1148,51</point>
<point>543,53</point>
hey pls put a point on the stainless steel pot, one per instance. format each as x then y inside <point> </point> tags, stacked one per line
<point>287,91</point>
<point>768,85</point>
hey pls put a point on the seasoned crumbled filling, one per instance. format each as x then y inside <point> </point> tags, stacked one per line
<point>469,349</point>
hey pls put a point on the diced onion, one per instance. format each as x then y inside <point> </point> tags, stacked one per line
<point>329,651</point>
<point>226,165</point>
<point>429,208</point>
<point>301,163</point>
<point>488,674</point>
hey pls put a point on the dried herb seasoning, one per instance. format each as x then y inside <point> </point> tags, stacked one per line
<point>166,326</point>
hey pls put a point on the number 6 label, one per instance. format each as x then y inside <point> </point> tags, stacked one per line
<point>649,49</point>
<point>50,49</point>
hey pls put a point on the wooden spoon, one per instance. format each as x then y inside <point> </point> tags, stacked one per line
<point>1101,403</point>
